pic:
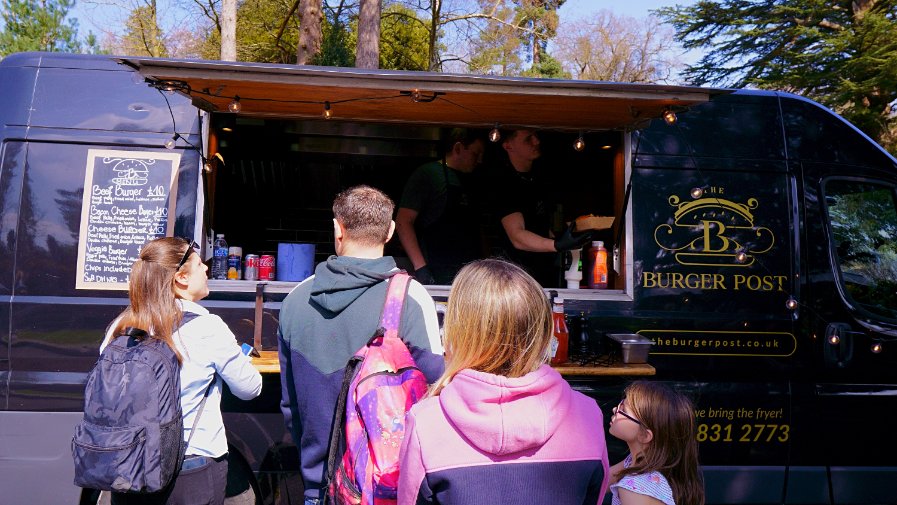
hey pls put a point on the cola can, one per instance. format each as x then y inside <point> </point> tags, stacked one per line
<point>266,267</point>
<point>251,267</point>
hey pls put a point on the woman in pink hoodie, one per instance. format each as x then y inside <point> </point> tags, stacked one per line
<point>501,426</point>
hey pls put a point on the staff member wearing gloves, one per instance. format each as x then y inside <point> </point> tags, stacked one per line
<point>438,217</point>
<point>524,208</point>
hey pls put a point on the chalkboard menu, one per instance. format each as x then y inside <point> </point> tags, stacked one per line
<point>129,199</point>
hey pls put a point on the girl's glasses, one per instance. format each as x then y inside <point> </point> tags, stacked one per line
<point>619,410</point>
<point>193,247</point>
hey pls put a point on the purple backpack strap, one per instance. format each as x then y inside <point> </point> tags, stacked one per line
<point>395,300</point>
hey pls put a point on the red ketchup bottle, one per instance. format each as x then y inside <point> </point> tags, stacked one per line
<point>560,338</point>
<point>597,276</point>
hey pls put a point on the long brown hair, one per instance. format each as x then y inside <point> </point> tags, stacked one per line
<point>497,321</point>
<point>673,450</point>
<point>154,306</point>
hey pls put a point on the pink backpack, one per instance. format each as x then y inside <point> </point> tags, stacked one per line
<point>381,384</point>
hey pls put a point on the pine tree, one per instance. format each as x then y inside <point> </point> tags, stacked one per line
<point>842,53</point>
<point>30,25</point>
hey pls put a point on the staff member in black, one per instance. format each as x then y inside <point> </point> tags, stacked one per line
<point>523,205</point>
<point>438,217</point>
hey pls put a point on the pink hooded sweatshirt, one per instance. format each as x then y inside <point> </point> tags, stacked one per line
<point>490,439</point>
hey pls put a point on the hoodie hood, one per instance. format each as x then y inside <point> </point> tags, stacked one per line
<point>499,415</point>
<point>340,280</point>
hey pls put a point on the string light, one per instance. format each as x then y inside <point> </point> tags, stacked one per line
<point>580,143</point>
<point>235,106</point>
<point>415,95</point>
<point>669,116</point>
<point>495,134</point>
<point>834,339</point>
<point>327,112</point>
<point>791,303</point>
<point>697,193</point>
<point>741,256</point>
<point>170,143</point>
<point>876,348</point>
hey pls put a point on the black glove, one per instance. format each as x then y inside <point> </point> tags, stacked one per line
<point>570,240</point>
<point>423,275</point>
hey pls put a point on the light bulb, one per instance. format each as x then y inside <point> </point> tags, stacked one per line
<point>235,106</point>
<point>170,143</point>
<point>834,339</point>
<point>669,116</point>
<point>741,257</point>
<point>495,134</point>
<point>697,193</point>
<point>415,95</point>
<point>327,112</point>
<point>791,304</point>
<point>580,143</point>
<point>876,347</point>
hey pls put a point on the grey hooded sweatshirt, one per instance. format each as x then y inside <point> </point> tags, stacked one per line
<point>323,321</point>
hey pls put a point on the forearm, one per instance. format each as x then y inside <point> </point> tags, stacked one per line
<point>526,240</point>
<point>408,238</point>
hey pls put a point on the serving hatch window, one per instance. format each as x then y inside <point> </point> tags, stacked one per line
<point>863,218</point>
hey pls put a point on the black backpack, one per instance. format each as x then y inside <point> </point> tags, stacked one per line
<point>132,436</point>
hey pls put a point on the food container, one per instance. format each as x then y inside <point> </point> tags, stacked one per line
<point>633,348</point>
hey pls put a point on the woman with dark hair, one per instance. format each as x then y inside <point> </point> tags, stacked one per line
<point>166,282</point>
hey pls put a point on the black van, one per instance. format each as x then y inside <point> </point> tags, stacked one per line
<point>754,243</point>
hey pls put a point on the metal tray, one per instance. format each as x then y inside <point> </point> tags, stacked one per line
<point>632,348</point>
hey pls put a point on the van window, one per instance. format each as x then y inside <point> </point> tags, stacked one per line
<point>863,218</point>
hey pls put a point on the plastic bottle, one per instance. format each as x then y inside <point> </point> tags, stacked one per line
<point>574,274</point>
<point>219,258</point>
<point>560,338</point>
<point>597,278</point>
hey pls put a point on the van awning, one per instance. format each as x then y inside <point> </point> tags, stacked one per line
<point>293,91</point>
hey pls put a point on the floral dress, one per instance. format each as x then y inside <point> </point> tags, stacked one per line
<point>652,484</point>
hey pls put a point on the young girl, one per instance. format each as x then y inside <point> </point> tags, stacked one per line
<point>166,281</point>
<point>501,426</point>
<point>658,425</point>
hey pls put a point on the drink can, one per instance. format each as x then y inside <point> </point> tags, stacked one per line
<point>251,267</point>
<point>234,263</point>
<point>266,267</point>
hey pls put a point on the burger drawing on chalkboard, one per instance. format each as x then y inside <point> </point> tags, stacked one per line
<point>130,171</point>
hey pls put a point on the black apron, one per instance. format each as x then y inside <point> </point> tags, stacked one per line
<point>454,238</point>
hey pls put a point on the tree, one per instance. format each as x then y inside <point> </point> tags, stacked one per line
<point>228,29</point>
<point>310,30</point>
<point>403,39</point>
<point>842,53</point>
<point>38,25</point>
<point>143,37</point>
<point>367,52</point>
<point>537,21</point>
<point>607,47</point>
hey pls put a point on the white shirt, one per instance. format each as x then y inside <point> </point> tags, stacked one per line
<point>208,346</point>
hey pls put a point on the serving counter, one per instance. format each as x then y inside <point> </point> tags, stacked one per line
<point>268,363</point>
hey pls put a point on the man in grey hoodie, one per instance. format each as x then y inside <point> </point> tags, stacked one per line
<point>330,315</point>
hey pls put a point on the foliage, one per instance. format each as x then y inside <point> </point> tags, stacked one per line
<point>842,53</point>
<point>607,47</point>
<point>143,36</point>
<point>537,22</point>
<point>30,25</point>
<point>337,44</point>
<point>547,67</point>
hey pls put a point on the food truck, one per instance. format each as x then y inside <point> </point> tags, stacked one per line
<point>752,244</point>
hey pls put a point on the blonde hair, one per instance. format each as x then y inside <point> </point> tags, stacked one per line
<point>498,321</point>
<point>673,450</point>
<point>154,306</point>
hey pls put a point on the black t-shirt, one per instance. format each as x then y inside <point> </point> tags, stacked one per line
<point>531,194</point>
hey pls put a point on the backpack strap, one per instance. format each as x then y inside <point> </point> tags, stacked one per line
<point>391,316</point>
<point>187,317</point>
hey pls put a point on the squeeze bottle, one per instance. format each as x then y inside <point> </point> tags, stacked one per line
<point>560,338</point>
<point>597,278</point>
<point>574,274</point>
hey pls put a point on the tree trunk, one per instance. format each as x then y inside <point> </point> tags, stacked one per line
<point>432,57</point>
<point>229,30</point>
<point>310,16</point>
<point>367,52</point>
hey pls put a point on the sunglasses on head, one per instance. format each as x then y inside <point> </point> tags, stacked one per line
<point>193,247</point>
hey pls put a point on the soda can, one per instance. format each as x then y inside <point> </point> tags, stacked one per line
<point>234,263</point>
<point>251,267</point>
<point>266,267</point>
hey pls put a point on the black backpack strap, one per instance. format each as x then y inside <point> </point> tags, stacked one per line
<point>339,419</point>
